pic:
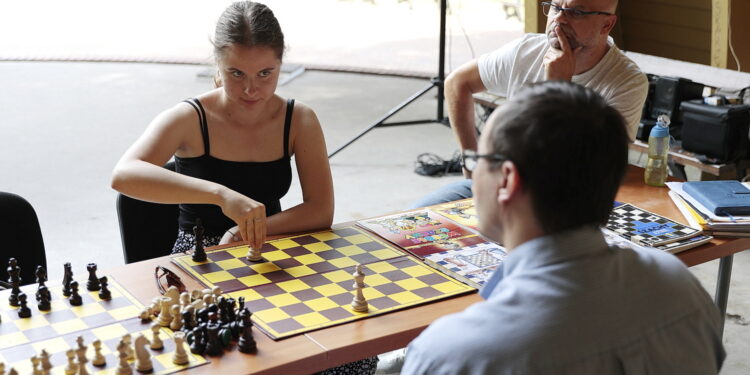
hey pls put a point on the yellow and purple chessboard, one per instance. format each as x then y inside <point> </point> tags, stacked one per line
<point>306,282</point>
<point>56,330</point>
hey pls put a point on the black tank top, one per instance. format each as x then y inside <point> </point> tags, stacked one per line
<point>265,182</point>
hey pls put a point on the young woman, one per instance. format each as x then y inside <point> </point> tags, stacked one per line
<point>232,146</point>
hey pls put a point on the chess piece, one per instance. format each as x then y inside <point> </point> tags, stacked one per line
<point>165,316</point>
<point>123,367</point>
<point>246,343</point>
<point>104,292</point>
<point>187,319</point>
<point>216,291</point>
<point>143,362</point>
<point>213,342</point>
<point>208,299</point>
<point>92,284</point>
<point>254,254</point>
<point>81,356</point>
<point>14,278</point>
<point>12,371</point>
<point>184,300</point>
<point>41,275</point>
<point>200,254</point>
<point>156,342</point>
<point>75,298</point>
<point>45,361</point>
<point>176,323</point>
<point>72,367</point>
<point>23,311</point>
<point>2,368</point>
<point>180,356</point>
<point>43,297</point>
<point>35,370</point>
<point>99,359</point>
<point>127,339</point>
<point>173,295</point>
<point>146,314</point>
<point>196,295</point>
<point>67,279</point>
<point>359,303</point>
<point>199,343</point>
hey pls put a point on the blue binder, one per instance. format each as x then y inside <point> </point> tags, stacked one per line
<point>725,198</point>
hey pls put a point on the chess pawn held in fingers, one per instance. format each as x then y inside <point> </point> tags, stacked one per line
<point>180,356</point>
<point>156,342</point>
<point>253,254</point>
<point>359,303</point>
<point>99,359</point>
<point>93,282</point>
<point>75,298</point>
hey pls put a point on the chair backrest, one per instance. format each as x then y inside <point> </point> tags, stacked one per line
<point>20,237</point>
<point>148,230</point>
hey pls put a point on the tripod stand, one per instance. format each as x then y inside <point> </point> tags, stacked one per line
<point>434,82</point>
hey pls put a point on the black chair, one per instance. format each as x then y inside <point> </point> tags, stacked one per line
<point>20,237</point>
<point>148,230</point>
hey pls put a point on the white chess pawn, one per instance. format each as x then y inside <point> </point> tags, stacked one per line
<point>99,360</point>
<point>123,367</point>
<point>184,299</point>
<point>359,303</point>
<point>156,342</point>
<point>173,294</point>
<point>180,356</point>
<point>196,295</point>
<point>254,254</point>
<point>165,316</point>
<point>143,362</point>
<point>208,299</point>
<point>146,314</point>
<point>72,367</point>
<point>156,305</point>
<point>176,318</point>
<point>35,370</point>
<point>216,291</point>
<point>128,341</point>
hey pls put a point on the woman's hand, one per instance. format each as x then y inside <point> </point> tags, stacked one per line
<point>249,215</point>
<point>231,235</point>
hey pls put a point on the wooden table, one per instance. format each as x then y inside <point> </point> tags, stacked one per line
<point>334,346</point>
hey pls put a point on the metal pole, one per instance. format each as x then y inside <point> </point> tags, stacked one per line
<point>441,63</point>
<point>722,287</point>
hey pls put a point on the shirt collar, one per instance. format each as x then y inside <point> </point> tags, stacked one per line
<point>546,250</point>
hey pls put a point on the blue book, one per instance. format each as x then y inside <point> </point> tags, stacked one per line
<point>720,197</point>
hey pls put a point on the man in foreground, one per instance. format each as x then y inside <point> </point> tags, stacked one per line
<point>563,301</point>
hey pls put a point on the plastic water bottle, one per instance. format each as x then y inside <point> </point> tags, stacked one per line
<point>658,152</point>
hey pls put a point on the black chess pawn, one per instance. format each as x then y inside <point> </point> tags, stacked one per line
<point>93,283</point>
<point>187,321</point>
<point>14,278</point>
<point>75,298</point>
<point>23,311</point>
<point>213,342</point>
<point>67,279</point>
<point>202,315</point>
<point>198,346</point>
<point>43,297</point>
<point>41,275</point>
<point>247,343</point>
<point>200,253</point>
<point>104,293</point>
<point>231,312</point>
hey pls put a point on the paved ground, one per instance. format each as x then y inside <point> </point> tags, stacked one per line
<point>66,123</point>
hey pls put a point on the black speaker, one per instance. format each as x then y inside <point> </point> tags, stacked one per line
<point>669,92</point>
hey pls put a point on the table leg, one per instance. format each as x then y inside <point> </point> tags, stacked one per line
<point>722,287</point>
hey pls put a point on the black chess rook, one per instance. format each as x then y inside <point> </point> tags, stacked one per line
<point>93,282</point>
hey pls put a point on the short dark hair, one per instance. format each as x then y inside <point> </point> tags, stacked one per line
<point>249,24</point>
<point>571,150</point>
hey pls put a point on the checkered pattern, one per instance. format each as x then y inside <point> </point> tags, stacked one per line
<point>646,228</point>
<point>19,356</point>
<point>322,300</point>
<point>63,318</point>
<point>287,259</point>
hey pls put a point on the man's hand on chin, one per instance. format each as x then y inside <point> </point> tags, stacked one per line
<point>560,59</point>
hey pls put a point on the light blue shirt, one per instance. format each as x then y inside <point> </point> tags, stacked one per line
<point>570,304</point>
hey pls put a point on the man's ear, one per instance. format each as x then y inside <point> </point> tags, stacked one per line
<point>510,183</point>
<point>609,24</point>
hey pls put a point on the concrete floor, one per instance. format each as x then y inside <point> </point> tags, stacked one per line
<point>66,124</point>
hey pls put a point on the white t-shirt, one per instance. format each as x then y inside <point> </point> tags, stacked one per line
<point>616,78</point>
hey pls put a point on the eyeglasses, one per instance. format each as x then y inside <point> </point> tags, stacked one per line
<point>470,158</point>
<point>170,277</point>
<point>553,10</point>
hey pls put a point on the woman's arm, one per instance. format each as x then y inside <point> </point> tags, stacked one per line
<point>309,148</point>
<point>140,174</point>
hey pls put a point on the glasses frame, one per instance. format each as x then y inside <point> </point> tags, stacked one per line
<point>170,277</point>
<point>474,156</point>
<point>571,12</point>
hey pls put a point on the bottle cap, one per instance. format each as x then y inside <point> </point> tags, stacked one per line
<point>661,129</point>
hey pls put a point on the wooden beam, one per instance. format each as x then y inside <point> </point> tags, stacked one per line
<point>534,21</point>
<point>719,32</point>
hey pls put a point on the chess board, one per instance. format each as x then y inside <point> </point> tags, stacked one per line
<point>646,228</point>
<point>306,283</point>
<point>322,300</point>
<point>56,330</point>
<point>472,264</point>
<point>287,259</point>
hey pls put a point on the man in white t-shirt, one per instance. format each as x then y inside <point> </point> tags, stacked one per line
<point>575,47</point>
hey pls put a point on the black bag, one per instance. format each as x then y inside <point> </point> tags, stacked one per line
<point>719,132</point>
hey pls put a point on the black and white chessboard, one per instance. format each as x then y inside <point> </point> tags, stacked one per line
<point>647,228</point>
